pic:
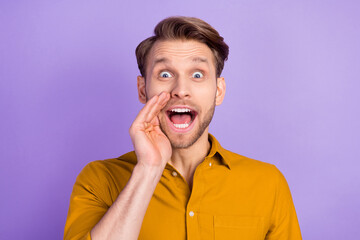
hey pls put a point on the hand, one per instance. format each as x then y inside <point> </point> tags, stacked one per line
<point>151,145</point>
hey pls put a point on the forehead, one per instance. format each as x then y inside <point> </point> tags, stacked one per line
<point>174,51</point>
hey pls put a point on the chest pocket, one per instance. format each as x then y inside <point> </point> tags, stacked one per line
<point>238,227</point>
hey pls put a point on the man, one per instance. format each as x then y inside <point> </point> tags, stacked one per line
<point>179,183</point>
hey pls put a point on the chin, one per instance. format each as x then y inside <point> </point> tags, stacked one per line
<point>184,140</point>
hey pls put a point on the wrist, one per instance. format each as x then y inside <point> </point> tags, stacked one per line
<point>153,173</point>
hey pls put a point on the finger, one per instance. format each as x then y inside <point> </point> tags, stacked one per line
<point>151,126</point>
<point>141,117</point>
<point>165,101</point>
<point>160,104</point>
<point>155,121</point>
<point>152,108</point>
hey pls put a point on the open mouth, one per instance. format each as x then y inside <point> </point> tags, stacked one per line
<point>181,117</point>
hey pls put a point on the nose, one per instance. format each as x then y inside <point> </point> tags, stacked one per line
<point>181,88</point>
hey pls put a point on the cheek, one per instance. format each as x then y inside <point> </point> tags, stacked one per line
<point>153,89</point>
<point>206,99</point>
<point>157,87</point>
<point>207,93</point>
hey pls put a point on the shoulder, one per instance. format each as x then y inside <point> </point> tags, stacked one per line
<point>112,169</point>
<point>239,162</point>
<point>253,169</point>
<point>106,178</point>
<point>243,165</point>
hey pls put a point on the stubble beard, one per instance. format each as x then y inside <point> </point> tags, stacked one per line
<point>182,143</point>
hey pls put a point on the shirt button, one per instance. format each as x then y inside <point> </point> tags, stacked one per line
<point>210,164</point>
<point>174,173</point>
<point>191,213</point>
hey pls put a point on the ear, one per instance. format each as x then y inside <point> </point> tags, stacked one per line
<point>220,90</point>
<point>141,89</point>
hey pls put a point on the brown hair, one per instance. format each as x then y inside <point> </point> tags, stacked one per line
<point>189,28</point>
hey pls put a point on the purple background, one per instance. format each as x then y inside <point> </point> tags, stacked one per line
<point>68,96</point>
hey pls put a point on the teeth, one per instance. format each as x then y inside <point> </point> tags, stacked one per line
<point>185,125</point>
<point>180,110</point>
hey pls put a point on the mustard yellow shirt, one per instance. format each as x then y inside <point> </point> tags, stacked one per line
<point>233,197</point>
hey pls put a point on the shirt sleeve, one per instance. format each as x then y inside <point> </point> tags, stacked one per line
<point>284,222</point>
<point>86,205</point>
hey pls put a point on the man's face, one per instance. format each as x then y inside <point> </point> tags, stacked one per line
<point>186,70</point>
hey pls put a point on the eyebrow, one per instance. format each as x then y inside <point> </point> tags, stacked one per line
<point>200,59</point>
<point>195,59</point>
<point>161,60</point>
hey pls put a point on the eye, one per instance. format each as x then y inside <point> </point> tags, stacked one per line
<point>165,74</point>
<point>197,75</point>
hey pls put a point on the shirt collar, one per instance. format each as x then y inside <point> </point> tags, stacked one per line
<point>216,148</point>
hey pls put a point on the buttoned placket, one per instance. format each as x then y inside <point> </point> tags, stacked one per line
<point>196,195</point>
<point>193,206</point>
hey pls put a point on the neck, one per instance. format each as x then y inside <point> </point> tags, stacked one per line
<point>185,160</point>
